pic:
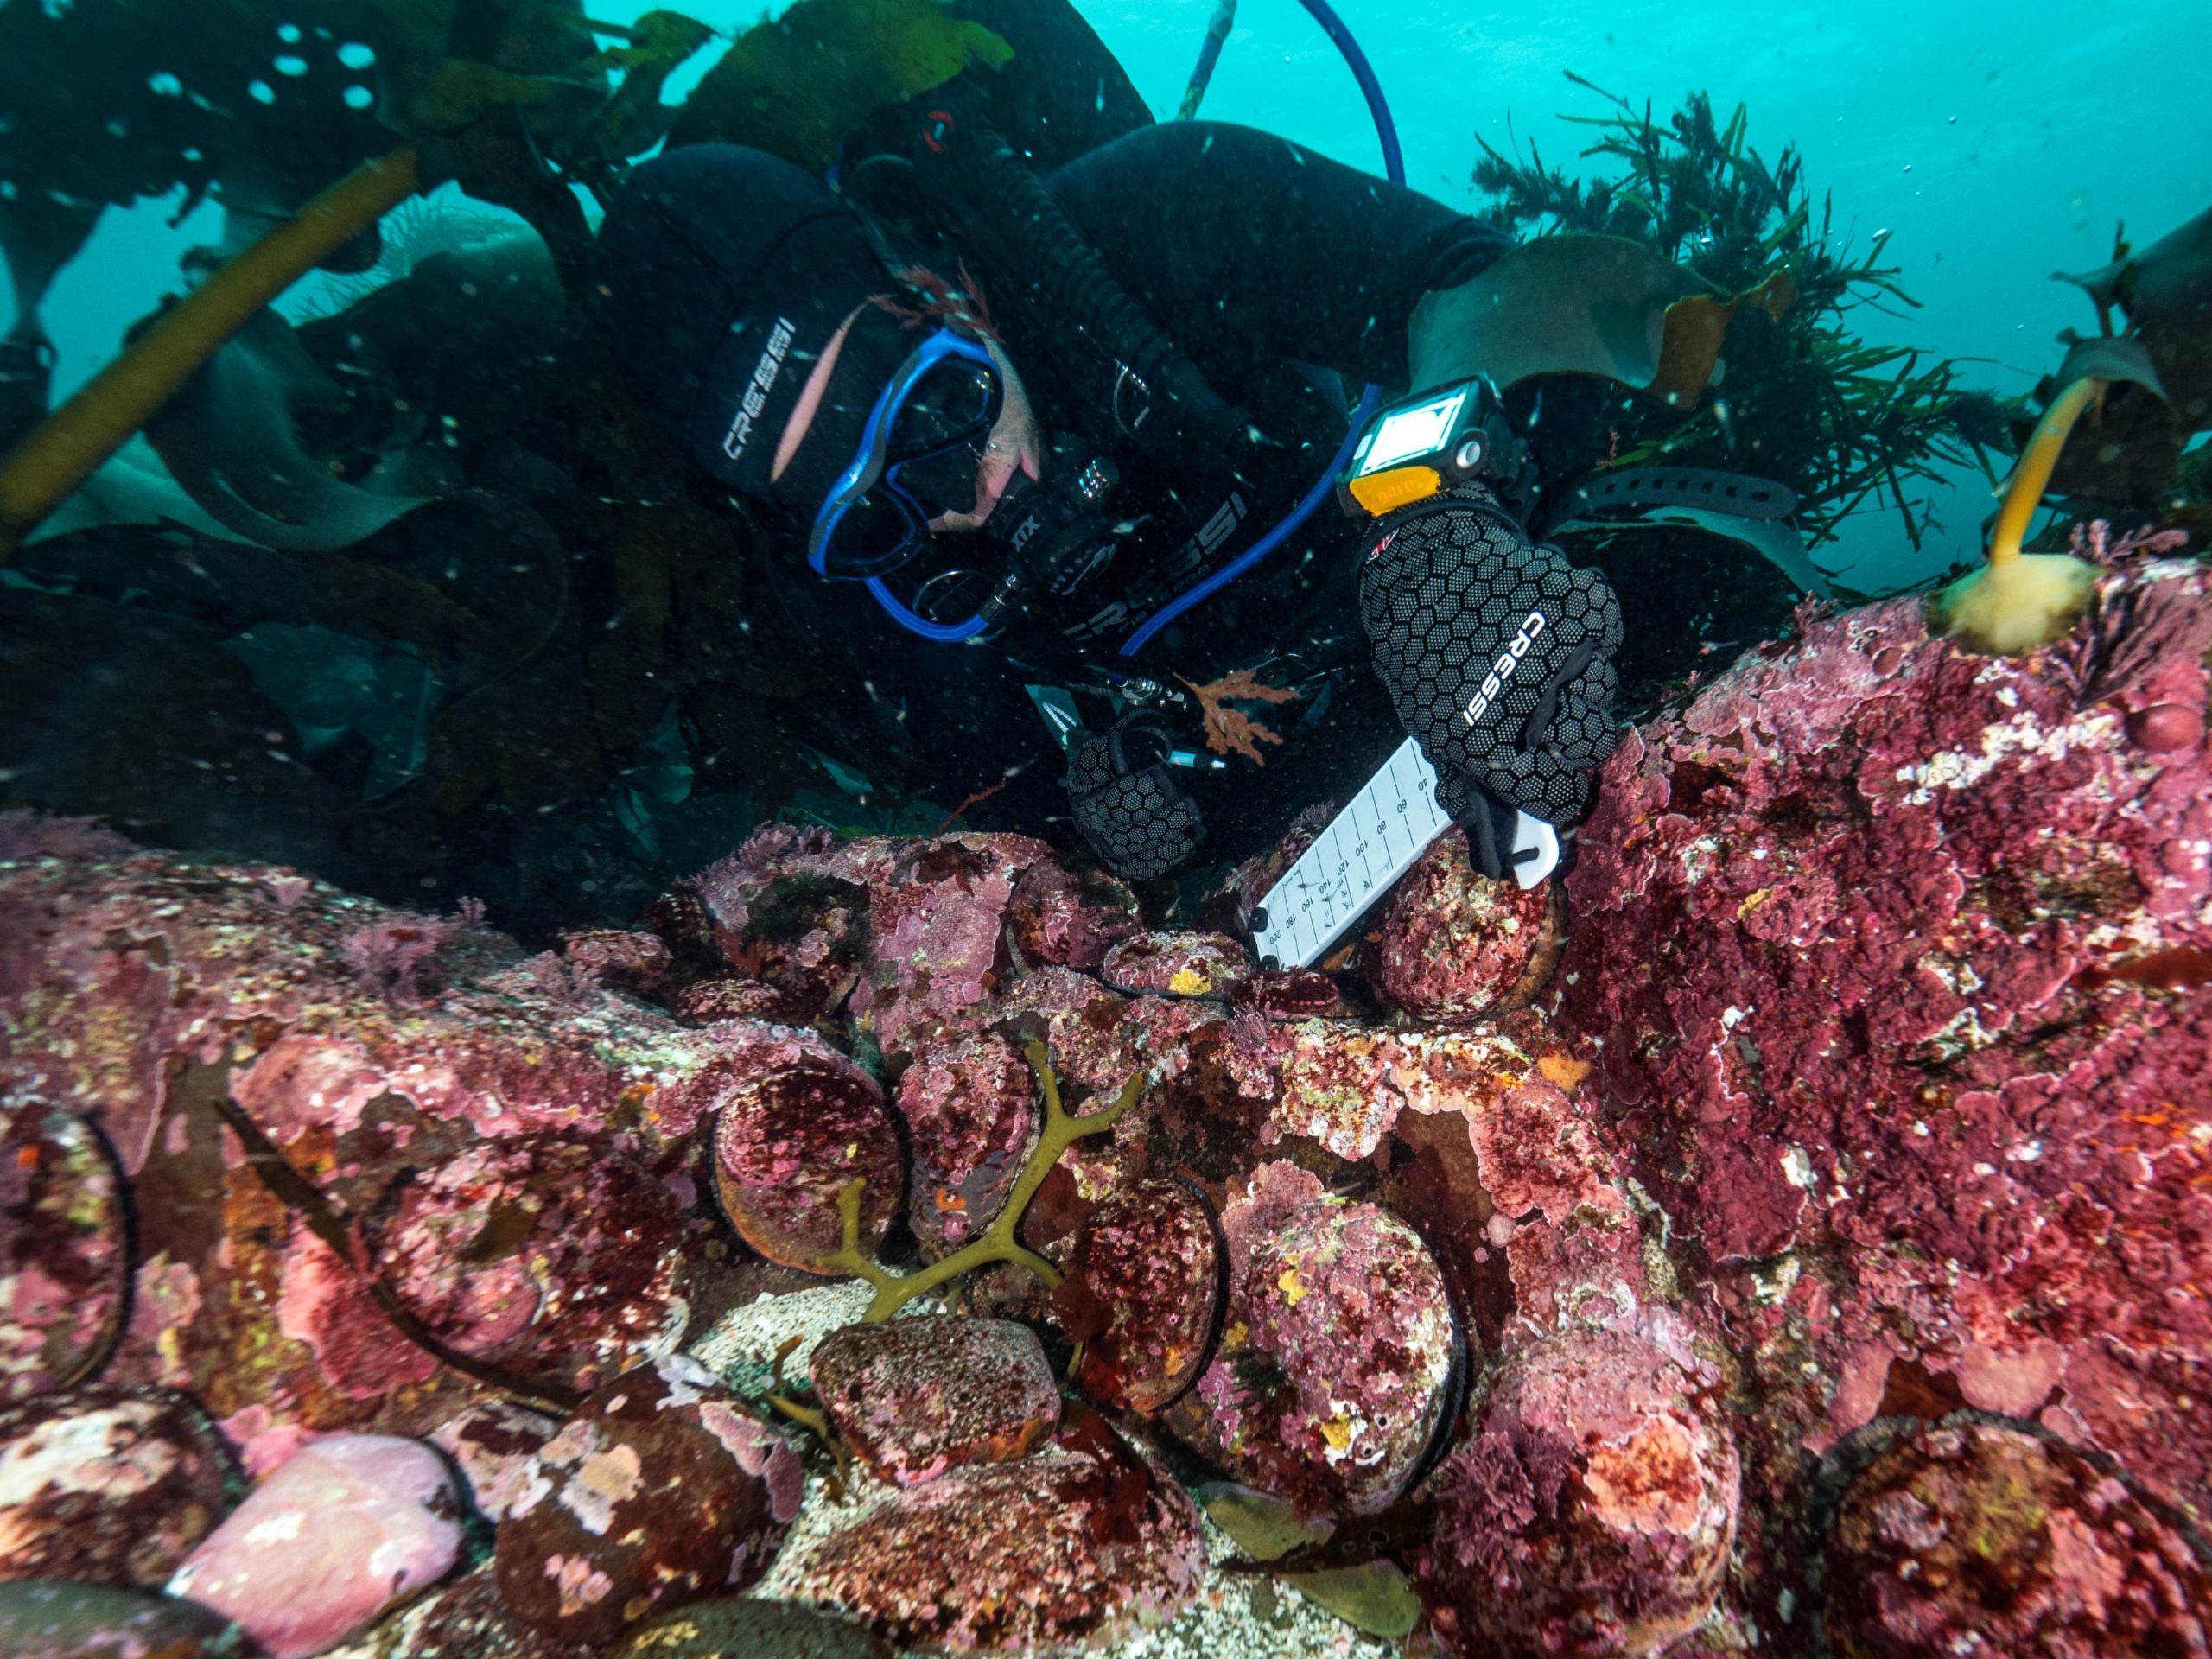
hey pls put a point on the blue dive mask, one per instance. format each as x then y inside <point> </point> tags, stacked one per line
<point>946,396</point>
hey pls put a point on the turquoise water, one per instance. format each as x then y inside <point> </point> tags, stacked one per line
<point>1998,142</point>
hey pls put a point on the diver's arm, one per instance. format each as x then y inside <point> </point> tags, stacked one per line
<point>1258,251</point>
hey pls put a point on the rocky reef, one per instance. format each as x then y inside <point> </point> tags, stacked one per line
<point>1788,1234</point>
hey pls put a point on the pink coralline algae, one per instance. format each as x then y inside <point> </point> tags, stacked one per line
<point>65,1272</point>
<point>1059,919</point>
<point>1146,1293</point>
<point>662,1489</point>
<point>789,910</point>
<point>550,1258</point>
<point>1866,1102</point>
<point>1334,1082</point>
<point>394,958</point>
<point>804,937</point>
<point>103,1485</point>
<point>1336,1375</point>
<point>1289,994</point>
<point>1981,1539</point>
<point>1099,1038</point>
<point>466,1617</point>
<point>640,963</point>
<point>1072,1546</point>
<point>1894,963</point>
<point>1455,944</point>
<point>1176,964</point>
<point>494,1444</point>
<point>1571,1243</point>
<point>261,1103</point>
<point>970,1110</point>
<point>1343,1083</point>
<point>791,1139</point>
<point>1593,1511</point>
<point>348,1528</point>
<point>937,947</point>
<point>730,996</point>
<point>907,935</point>
<point>916,1397</point>
<point>27,836</point>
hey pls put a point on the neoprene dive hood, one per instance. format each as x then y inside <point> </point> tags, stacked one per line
<point>716,317</point>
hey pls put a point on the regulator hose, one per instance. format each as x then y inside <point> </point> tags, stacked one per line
<point>1394,166</point>
<point>1072,276</point>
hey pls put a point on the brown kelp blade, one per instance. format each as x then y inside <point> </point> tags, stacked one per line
<point>2138,434</point>
<point>1576,304</point>
<point>794,87</point>
<point>2165,290</point>
<point>63,449</point>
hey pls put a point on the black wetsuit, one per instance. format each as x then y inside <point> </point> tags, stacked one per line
<point>1265,262</point>
<point>1288,280</point>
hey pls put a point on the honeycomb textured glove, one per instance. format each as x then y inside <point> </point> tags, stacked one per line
<point>1127,803</point>
<point>1497,655</point>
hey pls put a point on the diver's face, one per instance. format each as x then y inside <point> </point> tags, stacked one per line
<point>1014,444</point>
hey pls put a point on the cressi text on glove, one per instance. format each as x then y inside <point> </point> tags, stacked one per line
<point>1498,655</point>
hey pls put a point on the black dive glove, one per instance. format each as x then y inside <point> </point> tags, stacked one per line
<point>1498,657</point>
<point>1127,803</point>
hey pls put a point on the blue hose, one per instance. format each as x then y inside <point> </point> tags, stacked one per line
<point>1394,166</point>
<point>945,633</point>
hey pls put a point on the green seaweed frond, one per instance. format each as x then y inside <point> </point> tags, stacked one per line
<point>813,1419</point>
<point>997,1242</point>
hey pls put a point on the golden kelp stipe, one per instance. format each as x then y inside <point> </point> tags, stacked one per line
<point>2019,602</point>
<point>64,448</point>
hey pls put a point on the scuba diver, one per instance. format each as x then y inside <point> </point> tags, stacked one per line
<point>1025,406</point>
<point>1021,424</point>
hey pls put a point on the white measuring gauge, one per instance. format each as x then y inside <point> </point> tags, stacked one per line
<point>1363,852</point>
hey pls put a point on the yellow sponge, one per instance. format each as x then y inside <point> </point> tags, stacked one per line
<point>2027,600</point>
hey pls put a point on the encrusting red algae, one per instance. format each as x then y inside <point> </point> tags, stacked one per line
<point>1813,1257</point>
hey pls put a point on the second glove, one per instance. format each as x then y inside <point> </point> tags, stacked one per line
<point>1127,802</point>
